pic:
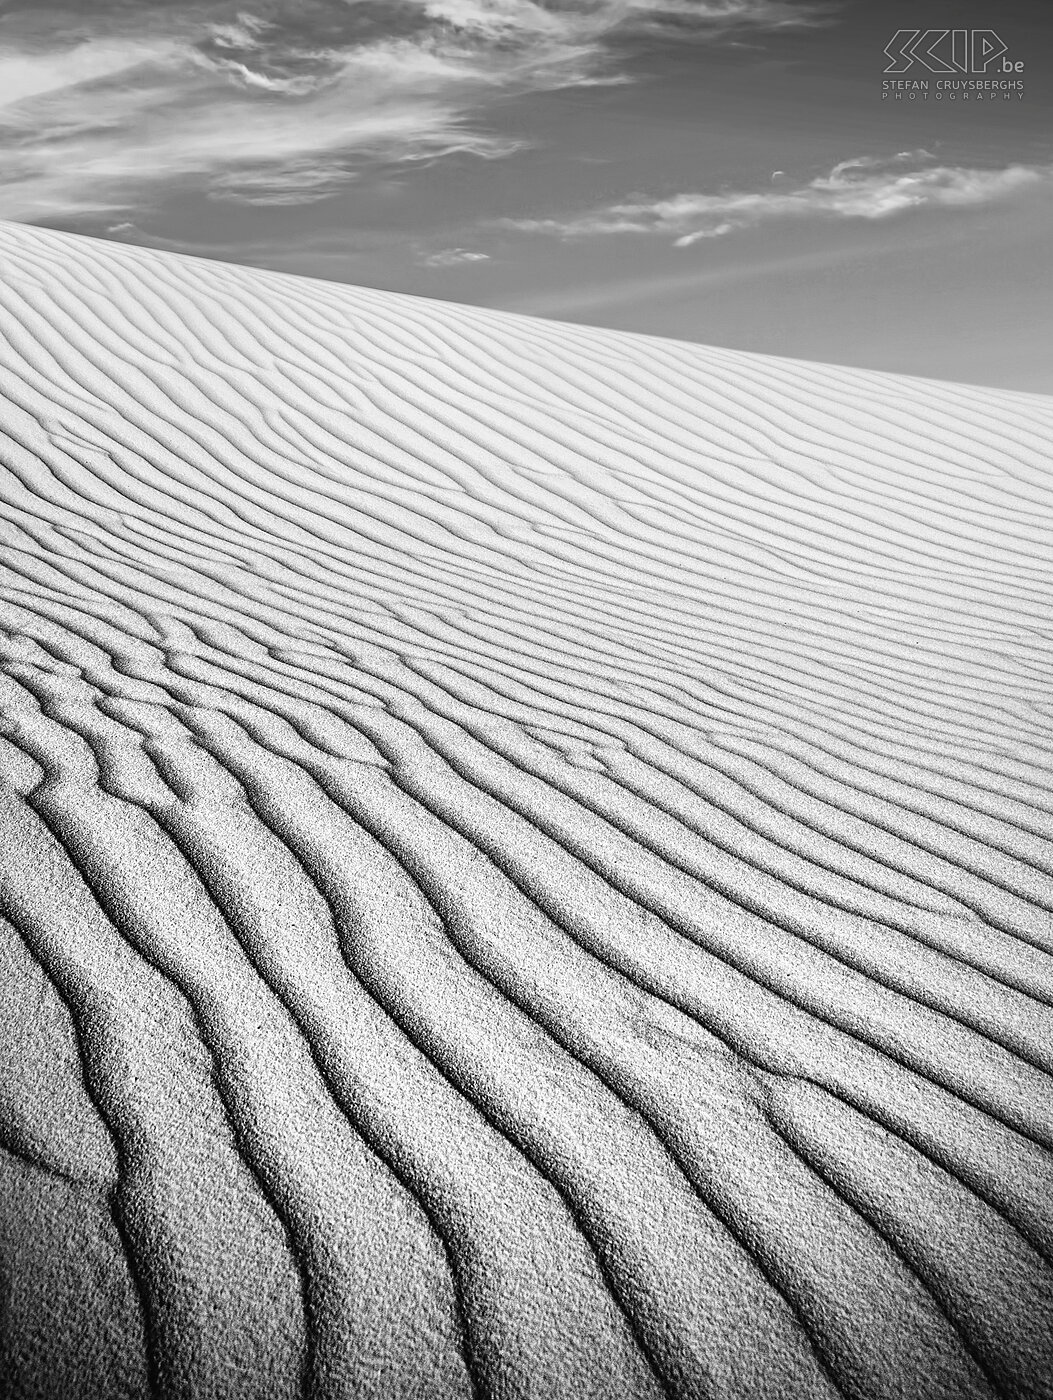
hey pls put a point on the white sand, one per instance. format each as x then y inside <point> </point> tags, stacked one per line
<point>528,855</point>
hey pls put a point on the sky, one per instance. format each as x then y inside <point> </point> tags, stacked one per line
<point>735,172</point>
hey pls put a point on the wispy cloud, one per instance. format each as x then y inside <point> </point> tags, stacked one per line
<point>577,19</point>
<point>865,187</point>
<point>297,182</point>
<point>282,103</point>
<point>454,257</point>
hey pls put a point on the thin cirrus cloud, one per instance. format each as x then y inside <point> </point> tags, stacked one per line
<point>454,257</point>
<point>283,103</point>
<point>865,187</point>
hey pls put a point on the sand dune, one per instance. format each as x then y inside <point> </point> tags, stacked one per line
<point>528,855</point>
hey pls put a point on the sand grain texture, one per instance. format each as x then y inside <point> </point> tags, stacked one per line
<point>527,856</point>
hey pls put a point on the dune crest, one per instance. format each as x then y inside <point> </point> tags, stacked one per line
<point>528,855</point>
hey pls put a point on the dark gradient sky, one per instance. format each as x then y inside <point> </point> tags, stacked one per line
<point>717,170</point>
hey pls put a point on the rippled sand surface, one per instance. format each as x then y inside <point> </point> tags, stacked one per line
<point>527,856</point>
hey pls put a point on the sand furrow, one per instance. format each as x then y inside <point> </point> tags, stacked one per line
<point>218,1288</point>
